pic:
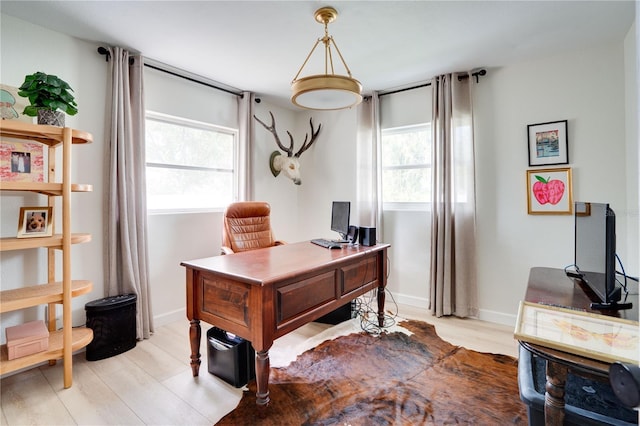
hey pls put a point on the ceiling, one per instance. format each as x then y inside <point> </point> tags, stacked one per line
<point>259,46</point>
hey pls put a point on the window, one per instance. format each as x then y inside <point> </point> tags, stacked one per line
<point>406,167</point>
<point>191,166</point>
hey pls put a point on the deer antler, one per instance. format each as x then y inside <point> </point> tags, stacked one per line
<point>272,129</point>
<point>305,145</point>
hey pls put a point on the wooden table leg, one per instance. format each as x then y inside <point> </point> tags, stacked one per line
<point>554,395</point>
<point>195,334</point>
<point>262,381</point>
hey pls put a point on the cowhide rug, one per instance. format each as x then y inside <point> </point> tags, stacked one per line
<point>394,378</point>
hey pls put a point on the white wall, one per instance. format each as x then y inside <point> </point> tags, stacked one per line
<point>27,48</point>
<point>586,87</point>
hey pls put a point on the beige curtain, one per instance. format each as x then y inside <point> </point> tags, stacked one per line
<point>245,124</point>
<point>368,196</point>
<point>453,264</point>
<point>126,260</point>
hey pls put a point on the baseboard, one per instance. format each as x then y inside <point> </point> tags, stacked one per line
<point>497,317</point>
<point>483,314</point>
<point>404,299</point>
<point>169,317</point>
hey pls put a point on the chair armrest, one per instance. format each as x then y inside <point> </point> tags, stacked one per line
<point>226,250</point>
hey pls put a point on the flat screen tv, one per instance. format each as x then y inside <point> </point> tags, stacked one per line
<point>340,211</point>
<point>595,252</point>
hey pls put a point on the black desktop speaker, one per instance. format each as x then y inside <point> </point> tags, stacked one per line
<point>367,236</point>
<point>352,236</point>
<point>625,382</point>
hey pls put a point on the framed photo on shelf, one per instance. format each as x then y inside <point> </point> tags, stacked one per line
<point>35,222</point>
<point>594,336</point>
<point>21,161</point>
<point>548,143</point>
<point>549,191</point>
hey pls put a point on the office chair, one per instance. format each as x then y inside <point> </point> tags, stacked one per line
<point>247,226</point>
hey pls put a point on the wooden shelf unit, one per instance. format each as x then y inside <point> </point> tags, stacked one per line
<point>63,342</point>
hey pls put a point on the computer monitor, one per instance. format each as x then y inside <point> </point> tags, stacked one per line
<point>340,218</point>
<point>595,251</point>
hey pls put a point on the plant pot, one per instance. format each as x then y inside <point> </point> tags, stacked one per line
<point>52,118</point>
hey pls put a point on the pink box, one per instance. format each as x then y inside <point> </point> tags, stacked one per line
<point>26,339</point>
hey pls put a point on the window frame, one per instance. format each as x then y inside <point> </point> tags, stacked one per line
<point>186,122</point>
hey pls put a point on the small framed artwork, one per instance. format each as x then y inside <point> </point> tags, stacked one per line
<point>594,336</point>
<point>35,222</point>
<point>549,191</point>
<point>21,161</point>
<point>548,143</point>
<point>12,105</point>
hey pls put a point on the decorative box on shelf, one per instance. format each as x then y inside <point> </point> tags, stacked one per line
<point>26,339</point>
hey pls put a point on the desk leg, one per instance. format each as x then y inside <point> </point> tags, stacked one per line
<point>262,381</point>
<point>554,396</point>
<point>381,299</point>
<point>194,337</point>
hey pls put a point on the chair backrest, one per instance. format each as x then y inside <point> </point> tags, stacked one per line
<point>247,226</point>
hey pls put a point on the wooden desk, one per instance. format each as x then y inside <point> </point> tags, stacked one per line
<point>552,286</point>
<point>263,294</point>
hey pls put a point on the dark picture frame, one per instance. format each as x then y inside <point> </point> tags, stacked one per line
<point>548,143</point>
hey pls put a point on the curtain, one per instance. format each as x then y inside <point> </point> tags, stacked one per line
<point>127,264</point>
<point>368,189</point>
<point>245,124</point>
<point>453,266</point>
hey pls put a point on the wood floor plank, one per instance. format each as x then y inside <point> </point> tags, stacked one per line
<point>90,401</point>
<point>158,363</point>
<point>30,400</point>
<point>150,399</point>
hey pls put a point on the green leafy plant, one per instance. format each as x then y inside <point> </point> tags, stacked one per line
<point>46,91</point>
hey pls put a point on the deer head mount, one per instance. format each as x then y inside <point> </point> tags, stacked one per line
<point>289,165</point>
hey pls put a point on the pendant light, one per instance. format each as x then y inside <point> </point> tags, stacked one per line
<point>328,91</point>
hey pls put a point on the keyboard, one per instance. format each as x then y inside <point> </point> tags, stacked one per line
<point>326,243</point>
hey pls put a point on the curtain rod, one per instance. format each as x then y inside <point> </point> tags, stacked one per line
<point>104,51</point>
<point>476,74</point>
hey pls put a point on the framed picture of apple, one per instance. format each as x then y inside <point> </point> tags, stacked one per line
<point>549,191</point>
<point>548,143</point>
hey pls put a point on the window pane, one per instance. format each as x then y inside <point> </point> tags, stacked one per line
<point>190,165</point>
<point>178,189</point>
<point>406,165</point>
<point>170,143</point>
<point>406,147</point>
<point>406,185</point>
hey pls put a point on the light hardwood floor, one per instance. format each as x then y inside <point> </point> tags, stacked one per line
<point>152,383</point>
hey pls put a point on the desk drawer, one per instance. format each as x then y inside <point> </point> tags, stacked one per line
<point>226,299</point>
<point>360,274</point>
<point>296,298</point>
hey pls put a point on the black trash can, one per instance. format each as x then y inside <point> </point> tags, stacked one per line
<point>230,357</point>
<point>113,321</point>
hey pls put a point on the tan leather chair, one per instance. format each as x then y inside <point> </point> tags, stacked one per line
<point>247,226</point>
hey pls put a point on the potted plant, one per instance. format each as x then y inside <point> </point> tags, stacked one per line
<point>50,98</point>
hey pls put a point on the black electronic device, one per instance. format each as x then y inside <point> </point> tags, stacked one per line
<point>367,236</point>
<point>352,236</point>
<point>625,382</point>
<point>595,253</point>
<point>340,211</point>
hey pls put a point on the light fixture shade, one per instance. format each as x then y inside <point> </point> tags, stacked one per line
<point>326,92</point>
